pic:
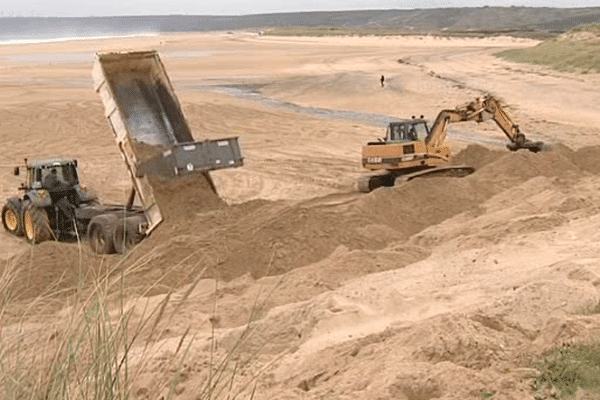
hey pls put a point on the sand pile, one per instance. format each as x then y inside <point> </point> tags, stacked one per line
<point>588,159</point>
<point>52,269</point>
<point>271,238</point>
<point>279,237</point>
<point>523,165</point>
<point>476,156</point>
<point>275,237</point>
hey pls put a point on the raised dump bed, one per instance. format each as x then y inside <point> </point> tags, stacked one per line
<point>150,128</point>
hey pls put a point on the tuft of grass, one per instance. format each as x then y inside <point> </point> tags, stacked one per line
<point>486,394</point>
<point>569,368</point>
<point>592,28</point>
<point>84,351</point>
<point>590,310</point>
<point>82,354</point>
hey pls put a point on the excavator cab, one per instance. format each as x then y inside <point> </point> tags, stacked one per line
<point>407,131</point>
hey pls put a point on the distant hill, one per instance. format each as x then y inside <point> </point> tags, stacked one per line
<point>517,21</point>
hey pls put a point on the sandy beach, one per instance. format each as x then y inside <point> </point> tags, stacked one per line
<point>442,288</point>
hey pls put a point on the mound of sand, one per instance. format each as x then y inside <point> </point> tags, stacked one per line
<point>272,238</point>
<point>588,159</point>
<point>476,155</point>
<point>53,269</point>
<point>201,234</point>
<point>522,165</point>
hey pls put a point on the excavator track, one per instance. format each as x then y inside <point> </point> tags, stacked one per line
<point>453,171</point>
<point>369,183</point>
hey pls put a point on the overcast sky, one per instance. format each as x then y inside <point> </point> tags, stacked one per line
<point>77,8</point>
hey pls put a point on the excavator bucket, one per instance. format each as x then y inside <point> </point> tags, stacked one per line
<point>528,145</point>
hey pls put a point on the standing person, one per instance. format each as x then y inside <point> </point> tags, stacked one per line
<point>382,80</point>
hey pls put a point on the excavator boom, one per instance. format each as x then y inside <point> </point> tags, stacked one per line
<point>481,110</point>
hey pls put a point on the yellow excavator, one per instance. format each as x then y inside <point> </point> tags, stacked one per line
<point>411,149</point>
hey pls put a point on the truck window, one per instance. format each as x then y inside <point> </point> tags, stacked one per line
<point>69,174</point>
<point>35,175</point>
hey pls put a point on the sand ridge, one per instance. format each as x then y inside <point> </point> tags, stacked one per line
<point>263,237</point>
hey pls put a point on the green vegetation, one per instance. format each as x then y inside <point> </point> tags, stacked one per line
<point>578,50</point>
<point>84,353</point>
<point>320,31</point>
<point>486,395</point>
<point>590,310</point>
<point>593,28</point>
<point>333,31</point>
<point>569,368</point>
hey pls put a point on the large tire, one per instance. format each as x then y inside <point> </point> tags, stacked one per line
<point>126,235</point>
<point>101,232</point>
<point>36,224</point>
<point>12,219</point>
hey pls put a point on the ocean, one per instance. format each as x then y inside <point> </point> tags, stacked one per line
<point>46,39</point>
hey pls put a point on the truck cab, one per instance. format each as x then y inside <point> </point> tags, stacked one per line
<point>67,178</point>
<point>51,200</point>
<point>66,171</point>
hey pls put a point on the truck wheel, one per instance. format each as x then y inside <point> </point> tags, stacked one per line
<point>36,224</point>
<point>126,236</point>
<point>101,232</point>
<point>11,219</point>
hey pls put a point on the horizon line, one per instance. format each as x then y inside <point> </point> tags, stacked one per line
<point>288,12</point>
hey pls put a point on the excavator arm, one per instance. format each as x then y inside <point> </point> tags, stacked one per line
<point>439,129</point>
<point>492,106</point>
<point>481,110</point>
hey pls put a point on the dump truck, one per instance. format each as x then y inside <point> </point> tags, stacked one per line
<point>155,142</point>
<point>412,150</point>
<point>55,205</point>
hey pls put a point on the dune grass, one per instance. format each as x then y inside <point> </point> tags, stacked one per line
<point>81,354</point>
<point>592,310</point>
<point>320,31</point>
<point>569,368</point>
<point>578,50</point>
<point>85,350</point>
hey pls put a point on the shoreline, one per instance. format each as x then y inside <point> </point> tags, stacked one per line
<point>76,38</point>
